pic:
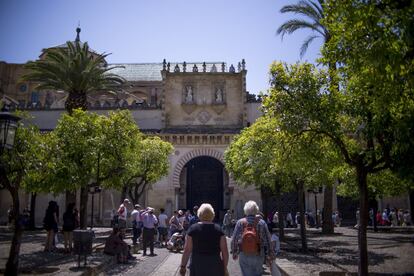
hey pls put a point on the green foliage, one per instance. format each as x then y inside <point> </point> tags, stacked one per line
<point>73,69</point>
<point>75,147</point>
<point>149,162</point>
<point>24,159</point>
<point>265,155</point>
<point>88,149</point>
<point>373,42</point>
<point>381,184</point>
<point>312,15</point>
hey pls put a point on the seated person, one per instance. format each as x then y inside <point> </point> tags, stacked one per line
<point>115,245</point>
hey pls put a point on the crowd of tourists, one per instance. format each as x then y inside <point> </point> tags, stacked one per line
<point>389,217</point>
<point>253,238</point>
<point>205,249</point>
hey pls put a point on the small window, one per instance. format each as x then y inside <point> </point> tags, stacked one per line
<point>22,87</point>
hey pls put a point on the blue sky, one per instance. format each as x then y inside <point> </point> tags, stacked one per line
<point>150,30</point>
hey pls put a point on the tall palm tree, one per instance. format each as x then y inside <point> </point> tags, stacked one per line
<point>73,69</point>
<point>77,71</point>
<point>313,13</point>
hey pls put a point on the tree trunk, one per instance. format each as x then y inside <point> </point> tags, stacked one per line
<point>83,207</point>
<point>363,220</point>
<point>123,193</point>
<point>281,225</point>
<point>76,100</point>
<point>12,264</point>
<point>327,224</point>
<point>301,203</point>
<point>70,197</point>
<point>32,222</point>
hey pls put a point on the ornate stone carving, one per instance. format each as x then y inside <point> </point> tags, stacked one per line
<point>231,69</point>
<point>204,67</point>
<point>189,95</point>
<point>176,68</point>
<point>213,69</point>
<point>189,108</point>
<point>218,97</point>
<point>204,116</point>
<point>184,66</point>
<point>223,67</point>
<point>195,68</point>
<point>218,108</point>
<point>189,119</point>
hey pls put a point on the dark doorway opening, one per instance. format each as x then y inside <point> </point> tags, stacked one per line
<point>205,183</point>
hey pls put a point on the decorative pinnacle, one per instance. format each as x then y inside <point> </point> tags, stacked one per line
<point>78,30</point>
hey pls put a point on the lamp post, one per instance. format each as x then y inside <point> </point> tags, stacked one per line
<point>93,190</point>
<point>8,127</point>
<point>315,192</point>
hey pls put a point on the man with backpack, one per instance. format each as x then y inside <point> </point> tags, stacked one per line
<point>251,241</point>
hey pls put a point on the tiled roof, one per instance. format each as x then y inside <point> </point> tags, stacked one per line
<point>139,71</point>
<point>152,71</point>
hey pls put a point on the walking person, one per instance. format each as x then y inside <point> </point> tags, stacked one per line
<point>10,215</point>
<point>163,228</point>
<point>289,220</point>
<point>123,214</point>
<point>207,246</point>
<point>250,238</point>
<point>50,223</point>
<point>150,222</point>
<point>194,217</point>
<point>136,223</point>
<point>69,224</point>
<point>227,223</point>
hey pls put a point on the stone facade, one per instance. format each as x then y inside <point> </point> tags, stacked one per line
<point>198,107</point>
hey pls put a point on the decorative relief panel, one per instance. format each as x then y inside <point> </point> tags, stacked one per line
<point>204,116</point>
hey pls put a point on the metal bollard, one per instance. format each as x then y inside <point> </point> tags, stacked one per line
<point>82,243</point>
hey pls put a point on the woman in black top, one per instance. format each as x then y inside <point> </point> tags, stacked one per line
<point>69,224</point>
<point>207,245</point>
<point>50,223</point>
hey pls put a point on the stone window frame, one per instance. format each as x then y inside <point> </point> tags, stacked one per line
<point>216,85</point>
<point>184,92</point>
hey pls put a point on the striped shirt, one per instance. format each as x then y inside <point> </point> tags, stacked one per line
<point>263,232</point>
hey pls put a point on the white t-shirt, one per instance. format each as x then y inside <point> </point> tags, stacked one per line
<point>162,220</point>
<point>135,216</point>
<point>122,212</point>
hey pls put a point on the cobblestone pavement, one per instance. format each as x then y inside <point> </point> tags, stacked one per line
<point>165,264</point>
<point>389,253</point>
<point>34,261</point>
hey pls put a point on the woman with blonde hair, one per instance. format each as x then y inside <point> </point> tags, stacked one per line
<point>207,245</point>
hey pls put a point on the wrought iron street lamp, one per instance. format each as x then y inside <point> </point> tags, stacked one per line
<point>93,190</point>
<point>8,127</point>
<point>315,192</point>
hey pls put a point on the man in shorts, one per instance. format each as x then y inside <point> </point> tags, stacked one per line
<point>163,228</point>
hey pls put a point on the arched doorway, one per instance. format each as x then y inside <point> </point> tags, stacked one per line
<point>205,183</point>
